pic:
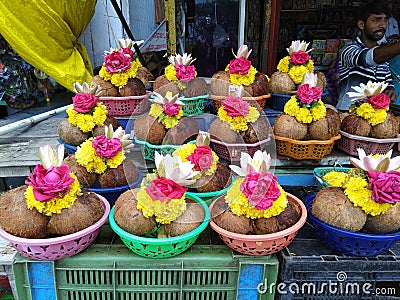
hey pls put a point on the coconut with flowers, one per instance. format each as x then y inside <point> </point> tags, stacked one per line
<point>366,198</point>
<point>51,203</point>
<point>369,114</point>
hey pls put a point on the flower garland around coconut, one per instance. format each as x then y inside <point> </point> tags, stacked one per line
<point>104,151</point>
<point>240,70</point>
<point>372,188</point>
<point>180,69</point>
<point>306,106</point>
<point>167,110</point>
<point>298,62</point>
<point>86,112</point>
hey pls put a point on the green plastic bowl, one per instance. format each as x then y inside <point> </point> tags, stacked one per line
<point>161,247</point>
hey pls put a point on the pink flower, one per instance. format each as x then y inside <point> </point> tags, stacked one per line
<point>239,65</point>
<point>171,109</point>
<point>201,158</point>
<point>83,103</point>
<point>385,186</point>
<point>308,94</point>
<point>299,57</point>
<point>127,51</point>
<point>260,189</point>
<point>106,147</point>
<point>50,183</point>
<point>117,61</point>
<point>185,73</point>
<point>235,107</point>
<point>163,189</point>
<point>379,101</point>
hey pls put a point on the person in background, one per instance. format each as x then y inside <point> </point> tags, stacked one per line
<point>364,59</point>
<point>392,29</point>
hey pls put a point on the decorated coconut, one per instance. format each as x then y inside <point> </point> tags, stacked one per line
<point>365,199</point>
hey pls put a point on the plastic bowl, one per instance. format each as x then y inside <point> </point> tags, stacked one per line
<point>69,148</point>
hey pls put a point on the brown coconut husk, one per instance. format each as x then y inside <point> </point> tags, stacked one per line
<point>124,174</point>
<point>332,206</point>
<point>134,87</point>
<point>355,125</point>
<point>85,178</point>
<point>257,131</point>
<point>144,75</point>
<point>162,85</point>
<point>220,130</point>
<point>107,88</point>
<point>325,128</point>
<point>288,126</point>
<point>147,128</point>
<point>260,85</point>
<point>219,85</point>
<point>70,134</point>
<point>386,130</point>
<point>17,219</point>
<point>196,87</point>
<point>215,182</point>
<point>86,211</point>
<point>129,218</point>
<point>281,83</point>
<point>321,80</point>
<point>387,222</point>
<point>100,130</point>
<point>184,131</point>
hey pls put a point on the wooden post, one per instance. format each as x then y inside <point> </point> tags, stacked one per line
<point>171,26</point>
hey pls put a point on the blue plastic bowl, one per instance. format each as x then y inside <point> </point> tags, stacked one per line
<point>348,242</point>
<point>69,148</point>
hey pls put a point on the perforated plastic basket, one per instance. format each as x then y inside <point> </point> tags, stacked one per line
<point>195,105</point>
<point>149,149</point>
<point>349,144</point>
<point>258,102</point>
<point>126,106</point>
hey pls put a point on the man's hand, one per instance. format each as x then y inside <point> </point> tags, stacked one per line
<point>390,92</point>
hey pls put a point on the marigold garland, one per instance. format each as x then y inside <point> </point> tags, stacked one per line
<point>120,79</point>
<point>239,79</point>
<point>239,204</point>
<point>156,111</point>
<point>304,114</point>
<point>86,122</point>
<point>239,123</point>
<point>55,205</point>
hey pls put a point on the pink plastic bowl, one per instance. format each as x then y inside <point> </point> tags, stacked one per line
<point>58,247</point>
<point>262,244</point>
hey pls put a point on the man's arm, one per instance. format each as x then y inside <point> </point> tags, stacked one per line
<point>386,52</point>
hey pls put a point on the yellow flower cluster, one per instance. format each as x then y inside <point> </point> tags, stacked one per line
<point>296,72</point>
<point>85,156</point>
<point>335,179</point>
<point>156,111</point>
<point>304,114</point>
<point>121,78</point>
<point>373,116</point>
<point>240,205</point>
<point>239,79</point>
<point>170,73</point>
<point>239,123</point>
<point>86,122</point>
<point>55,205</point>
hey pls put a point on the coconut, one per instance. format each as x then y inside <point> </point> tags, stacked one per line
<point>122,175</point>
<point>184,131</point>
<point>162,85</point>
<point>134,87</point>
<point>321,79</point>
<point>219,84</point>
<point>281,83</point>
<point>284,220</point>
<point>85,178</point>
<point>355,125</point>
<point>129,218</point>
<point>387,222</point>
<point>388,129</point>
<point>220,130</point>
<point>257,131</point>
<point>144,75</point>
<point>17,219</point>
<point>100,130</point>
<point>107,88</point>
<point>196,87</point>
<point>147,128</point>
<point>260,85</point>
<point>70,134</point>
<point>325,128</point>
<point>191,218</point>
<point>86,211</point>
<point>332,206</point>
<point>214,182</point>
<point>288,126</point>
<point>222,216</point>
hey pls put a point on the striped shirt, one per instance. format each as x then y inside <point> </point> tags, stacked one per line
<point>357,65</point>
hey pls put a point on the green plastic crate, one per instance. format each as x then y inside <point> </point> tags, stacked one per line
<point>109,270</point>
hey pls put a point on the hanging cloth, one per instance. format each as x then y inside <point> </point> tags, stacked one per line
<point>45,34</point>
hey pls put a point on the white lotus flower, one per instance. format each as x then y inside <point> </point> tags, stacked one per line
<point>260,163</point>
<point>310,78</point>
<point>243,51</point>
<point>85,88</point>
<point>49,157</point>
<point>376,163</point>
<point>203,138</point>
<point>119,133</point>
<point>168,99</point>
<point>173,168</point>
<point>297,46</point>
<point>367,90</point>
<point>128,43</point>
<point>185,59</point>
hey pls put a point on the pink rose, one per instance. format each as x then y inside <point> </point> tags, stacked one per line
<point>185,73</point>
<point>260,189</point>
<point>163,189</point>
<point>235,107</point>
<point>201,158</point>
<point>299,57</point>
<point>239,66</point>
<point>171,109</point>
<point>385,186</point>
<point>106,147</point>
<point>83,103</point>
<point>116,61</point>
<point>127,51</point>
<point>50,183</point>
<point>307,94</point>
<point>379,101</point>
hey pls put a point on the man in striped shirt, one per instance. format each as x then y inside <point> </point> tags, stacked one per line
<point>363,59</point>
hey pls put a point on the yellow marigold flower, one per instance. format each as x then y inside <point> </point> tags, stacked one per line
<point>156,110</point>
<point>170,73</point>
<point>135,65</point>
<point>104,74</point>
<point>297,72</point>
<point>283,65</point>
<point>335,178</point>
<point>239,123</point>
<point>247,79</point>
<point>116,160</point>
<point>304,116</point>
<point>291,107</point>
<point>119,79</point>
<point>379,117</point>
<point>365,111</point>
<point>310,66</point>
<point>85,156</point>
<point>318,111</point>
<point>86,122</point>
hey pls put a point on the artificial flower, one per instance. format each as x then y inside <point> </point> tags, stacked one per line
<point>180,68</point>
<point>240,70</point>
<point>167,110</point>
